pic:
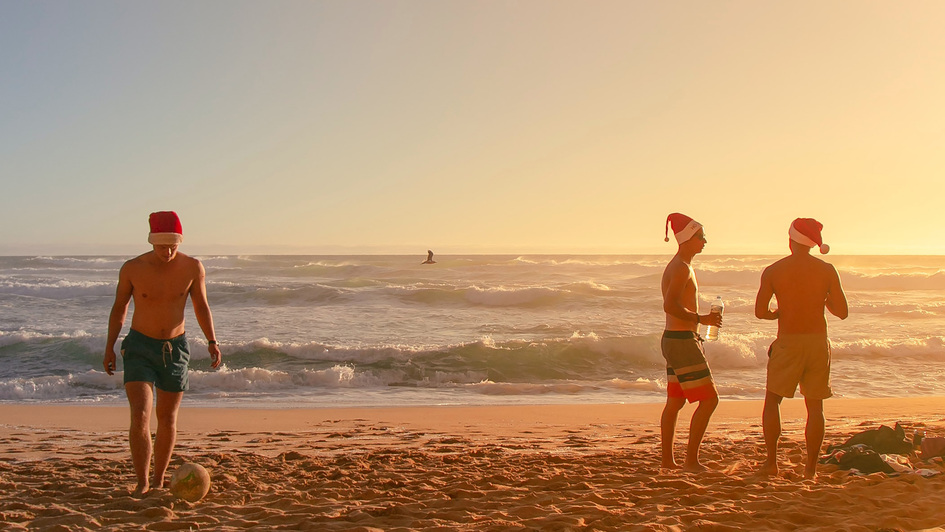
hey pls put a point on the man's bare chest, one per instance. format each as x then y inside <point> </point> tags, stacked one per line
<point>155,291</point>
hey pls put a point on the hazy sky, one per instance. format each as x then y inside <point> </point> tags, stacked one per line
<point>470,127</point>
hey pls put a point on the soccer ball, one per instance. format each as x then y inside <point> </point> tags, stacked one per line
<point>190,482</point>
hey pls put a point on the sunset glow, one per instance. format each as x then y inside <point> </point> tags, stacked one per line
<point>470,127</point>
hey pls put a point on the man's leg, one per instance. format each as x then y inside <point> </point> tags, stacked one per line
<point>771,426</point>
<point>168,404</point>
<point>814,434</point>
<point>697,427</point>
<point>140,398</point>
<point>668,429</point>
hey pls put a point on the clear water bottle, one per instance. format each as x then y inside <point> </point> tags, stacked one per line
<point>711,331</point>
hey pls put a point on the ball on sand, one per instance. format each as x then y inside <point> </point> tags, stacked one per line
<point>190,482</point>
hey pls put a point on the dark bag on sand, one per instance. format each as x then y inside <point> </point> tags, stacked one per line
<point>883,440</point>
<point>861,458</point>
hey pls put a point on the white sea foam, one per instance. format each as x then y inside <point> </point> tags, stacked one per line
<point>65,387</point>
<point>55,289</point>
<point>483,328</point>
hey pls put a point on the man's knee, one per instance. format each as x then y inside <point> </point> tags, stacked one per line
<point>710,403</point>
<point>772,398</point>
<point>168,405</point>
<point>139,402</point>
<point>675,404</point>
<point>167,420</point>
<point>167,415</point>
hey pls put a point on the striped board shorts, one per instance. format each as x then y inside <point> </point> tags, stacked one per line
<point>687,372</point>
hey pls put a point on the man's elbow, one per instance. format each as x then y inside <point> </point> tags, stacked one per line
<point>762,312</point>
<point>841,313</point>
<point>118,313</point>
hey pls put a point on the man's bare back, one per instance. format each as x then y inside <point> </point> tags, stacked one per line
<point>803,285</point>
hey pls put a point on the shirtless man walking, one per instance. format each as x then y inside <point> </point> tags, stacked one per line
<point>687,373</point>
<point>804,286</point>
<point>155,350</point>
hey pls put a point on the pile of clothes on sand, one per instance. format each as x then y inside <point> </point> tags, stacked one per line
<point>888,450</point>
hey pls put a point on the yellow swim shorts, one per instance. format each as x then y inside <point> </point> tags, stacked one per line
<point>800,359</point>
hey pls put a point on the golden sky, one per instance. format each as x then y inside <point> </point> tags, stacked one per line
<point>471,127</point>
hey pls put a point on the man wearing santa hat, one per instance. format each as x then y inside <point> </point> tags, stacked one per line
<point>804,287</point>
<point>155,350</point>
<point>687,373</point>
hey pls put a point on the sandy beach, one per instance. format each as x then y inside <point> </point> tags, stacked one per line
<point>569,467</point>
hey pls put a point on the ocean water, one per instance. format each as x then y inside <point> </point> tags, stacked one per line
<point>385,330</point>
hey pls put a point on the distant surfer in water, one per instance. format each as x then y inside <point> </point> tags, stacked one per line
<point>155,351</point>
<point>429,258</point>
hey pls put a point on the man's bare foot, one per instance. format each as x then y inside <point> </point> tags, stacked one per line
<point>694,468</point>
<point>157,484</point>
<point>768,469</point>
<point>810,471</point>
<point>670,465</point>
<point>141,491</point>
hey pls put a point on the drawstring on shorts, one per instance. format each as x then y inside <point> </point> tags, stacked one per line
<point>167,349</point>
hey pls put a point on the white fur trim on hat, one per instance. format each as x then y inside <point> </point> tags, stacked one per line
<point>165,239</point>
<point>690,231</point>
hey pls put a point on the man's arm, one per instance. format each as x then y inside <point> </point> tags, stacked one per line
<point>198,295</point>
<point>763,299</point>
<point>116,319</point>
<point>836,299</point>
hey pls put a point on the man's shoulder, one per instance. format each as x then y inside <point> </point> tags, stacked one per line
<point>792,265</point>
<point>188,263</point>
<point>776,268</point>
<point>138,261</point>
<point>819,264</point>
<point>677,265</point>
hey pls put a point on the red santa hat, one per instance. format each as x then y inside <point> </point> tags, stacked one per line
<point>806,231</point>
<point>684,227</point>
<point>165,229</point>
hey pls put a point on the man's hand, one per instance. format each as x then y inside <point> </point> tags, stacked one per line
<point>109,362</point>
<point>216,357</point>
<point>768,314</point>
<point>712,318</point>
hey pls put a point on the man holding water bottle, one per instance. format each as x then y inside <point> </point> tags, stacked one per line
<point>804,286</point>
<point>687,373</point>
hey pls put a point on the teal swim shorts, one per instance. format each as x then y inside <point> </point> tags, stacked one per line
<point>163,362</point>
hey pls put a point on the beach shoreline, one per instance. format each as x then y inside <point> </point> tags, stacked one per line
<point>554,467</point>
<point>457,417</point>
